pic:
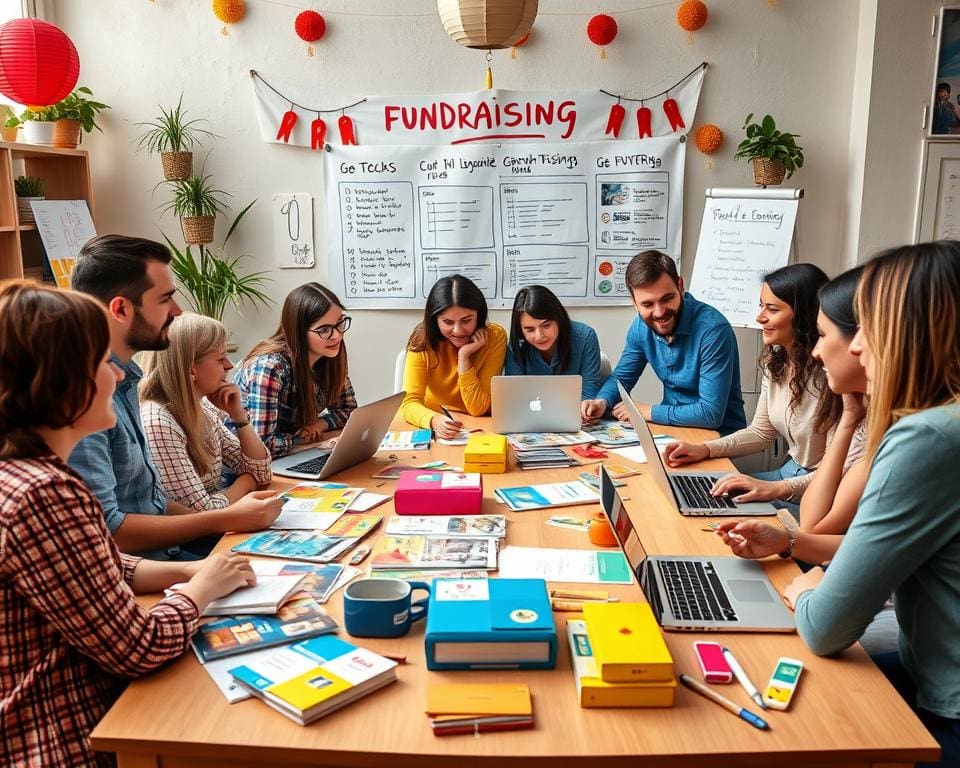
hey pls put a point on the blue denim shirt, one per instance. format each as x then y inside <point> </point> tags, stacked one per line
<point>699,368</point>
<point>116,463</point>
<point>584,360</point>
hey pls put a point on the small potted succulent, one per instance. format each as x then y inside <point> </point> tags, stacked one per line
<point>173,137</point>
<point>774,153</point>
<point>75,113</point>
<point>196,202</point>
<point>27,188</point>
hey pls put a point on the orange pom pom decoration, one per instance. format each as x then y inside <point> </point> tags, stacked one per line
<point>229,11</point>
<point>602,29</point>
<point>708,138</point>
<point>310,26</point>
<point>692,15</point>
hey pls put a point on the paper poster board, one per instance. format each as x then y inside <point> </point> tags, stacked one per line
<point>744,234</point>
<point>292,215</point>
<point>64,226</point>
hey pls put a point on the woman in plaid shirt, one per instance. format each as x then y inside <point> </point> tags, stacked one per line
<point>295,383</point>
<point>71,630</point>
<point>183,397</point>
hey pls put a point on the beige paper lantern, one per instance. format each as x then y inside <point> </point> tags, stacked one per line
<point>487,24</point>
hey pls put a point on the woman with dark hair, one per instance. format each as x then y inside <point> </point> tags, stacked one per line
<point>295,383</point>
<point>795,401</point>
<point>451,357</point>
<point>71,630</point>
<point>545,341</point>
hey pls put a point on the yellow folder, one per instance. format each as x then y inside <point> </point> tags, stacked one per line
<point>479,699</point>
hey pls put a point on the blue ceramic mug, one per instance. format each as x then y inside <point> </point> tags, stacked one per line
<point>382,607</point>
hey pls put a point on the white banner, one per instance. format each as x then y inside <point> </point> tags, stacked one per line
<point>569,216</point>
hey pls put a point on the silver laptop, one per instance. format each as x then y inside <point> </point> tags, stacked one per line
<point>696,593</point>
<point>359,440</point>
<point>688,491</point>
<point>535,403</point>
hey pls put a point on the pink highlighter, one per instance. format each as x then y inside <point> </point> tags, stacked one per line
<point>713,666</point>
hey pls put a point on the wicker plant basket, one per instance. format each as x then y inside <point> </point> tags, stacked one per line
<point>768,172</point>
<point>198,230</point>
<point>66,133</point>
<point>177,165</point>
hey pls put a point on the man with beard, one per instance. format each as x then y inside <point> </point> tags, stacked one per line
<point>690,346</point>
<point>132,278</point>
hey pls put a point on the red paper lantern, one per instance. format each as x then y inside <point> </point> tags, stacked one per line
<point>602,29</point>
<point>39,64</point>
<point>310,26</point>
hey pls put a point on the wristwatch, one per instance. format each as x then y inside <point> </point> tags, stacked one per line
<point>791,540</point>
<point>241,424</point>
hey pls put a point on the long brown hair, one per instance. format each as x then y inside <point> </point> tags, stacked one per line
<point>301,309</point>
<point>167,380</point>
<point>908,302</point>
<point>447,292</point>
<point>51,344</point>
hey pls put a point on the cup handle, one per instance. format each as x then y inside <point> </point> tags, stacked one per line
<point>418,608</point>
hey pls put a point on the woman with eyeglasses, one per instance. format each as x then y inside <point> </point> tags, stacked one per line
<point>184,396</point>
<point>295,383</point>
<point>451,357</point>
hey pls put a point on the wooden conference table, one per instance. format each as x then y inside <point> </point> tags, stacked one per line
<point>844,712</point>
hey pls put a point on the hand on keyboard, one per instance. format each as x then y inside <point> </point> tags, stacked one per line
<point>743,488</point>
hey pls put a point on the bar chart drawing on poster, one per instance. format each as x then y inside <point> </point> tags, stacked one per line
<point>569,216</point>
<point>744,234</point>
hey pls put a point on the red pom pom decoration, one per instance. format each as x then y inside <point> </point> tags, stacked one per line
<point>602,29</point>
<point>692,15</point>
<point>310,26</point>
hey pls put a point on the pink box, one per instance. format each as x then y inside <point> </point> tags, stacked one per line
<point>423,492</point>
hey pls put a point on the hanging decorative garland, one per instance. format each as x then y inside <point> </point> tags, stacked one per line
<point>229,12</point>
<point>310,27</point>
<point>602,30</point>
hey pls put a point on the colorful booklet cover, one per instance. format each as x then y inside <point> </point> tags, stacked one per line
<point>296,545</point>
<point>547,495</point>
<point>400,552</point>
<point>309,679</point>
<point>408,440</point>
<point>314,506</point>
<point>453,525</point>
<point>354,526</point>
<point>298,618</point>
<point>612,433</point>
<point>522,441</point>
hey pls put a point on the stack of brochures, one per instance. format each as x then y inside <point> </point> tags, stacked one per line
<point>524,441</point>
<point>312,546</point>
<point>409,440</point>
<point>310,679</point>
<point>448,525</point>
<point>544,458</point>
<point>447,552</point>
<point>546,495</point>
<point>477,708</point>
<point>612,434</point>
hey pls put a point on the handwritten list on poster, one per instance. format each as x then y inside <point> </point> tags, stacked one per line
<point>743,236</point>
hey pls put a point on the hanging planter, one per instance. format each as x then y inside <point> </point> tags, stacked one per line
<point>177,165</point>
<point>767,172</point>
<point>198,230</point>
<point>197,203</point>
<point>487,24</point>
<point>173,137</point>
<point>774,153</point>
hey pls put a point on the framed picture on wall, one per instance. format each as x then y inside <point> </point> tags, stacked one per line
<point>945,117</point>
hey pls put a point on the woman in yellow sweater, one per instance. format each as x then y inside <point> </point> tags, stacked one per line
<point>451,357</point>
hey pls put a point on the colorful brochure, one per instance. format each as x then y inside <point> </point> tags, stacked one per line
<point>522,441</point>
<point>612,433</point>
<point>546,495</point>
<point>402,552</point>
<point>296,545</point>
<point>455,525</point>
<point>314,506</point>
<point>577,566</point>
<point>408,440</point>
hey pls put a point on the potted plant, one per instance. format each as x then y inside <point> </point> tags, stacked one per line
<point>197,203</point>
<point>213,281</point>
<point>27,188</point>
<point>6,113</point>
<point>74,113</point>
<point>173,137</point>
<point>774,153</point>
<point>37,124</point>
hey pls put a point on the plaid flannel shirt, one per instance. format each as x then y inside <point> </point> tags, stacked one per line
<point>70,627</point>
<point>268,387</point>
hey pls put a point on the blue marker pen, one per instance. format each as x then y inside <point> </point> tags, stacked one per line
<point>743,714</point>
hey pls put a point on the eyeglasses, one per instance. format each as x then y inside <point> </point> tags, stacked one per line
<point>326,331</point>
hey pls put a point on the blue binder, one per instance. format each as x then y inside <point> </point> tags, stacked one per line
<point>490,624</point>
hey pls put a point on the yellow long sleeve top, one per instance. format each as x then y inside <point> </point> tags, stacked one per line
<point>430,379</point>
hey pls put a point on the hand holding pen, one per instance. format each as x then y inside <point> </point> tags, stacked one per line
<point>446,426</point>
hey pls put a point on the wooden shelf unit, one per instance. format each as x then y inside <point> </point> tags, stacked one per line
<point>66,176</point>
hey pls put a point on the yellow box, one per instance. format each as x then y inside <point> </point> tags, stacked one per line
<point>486,454</point>
<point>627,643</point>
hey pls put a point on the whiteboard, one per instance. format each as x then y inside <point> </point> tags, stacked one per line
<point>64,226</point>
<point>744,234</point>
<point>939,207</point>
<point>569,216</point>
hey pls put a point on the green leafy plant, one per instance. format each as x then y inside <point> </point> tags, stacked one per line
<point>196,196</point>
<point>28,186</point>
<point>41,115</point>
<point>171,131</point>
<point>78,107</point>
<point>211,279</point>
<point>765,141</point>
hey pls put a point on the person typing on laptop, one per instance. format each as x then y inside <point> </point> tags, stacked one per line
<point>690,346</point>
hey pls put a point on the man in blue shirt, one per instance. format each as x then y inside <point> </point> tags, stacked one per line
<point>132,278</point>
<point>690,345</point>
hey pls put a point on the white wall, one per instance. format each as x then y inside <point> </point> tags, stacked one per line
<point>797,60</point>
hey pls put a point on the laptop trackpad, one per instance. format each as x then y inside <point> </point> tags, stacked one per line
<point>749,590</point>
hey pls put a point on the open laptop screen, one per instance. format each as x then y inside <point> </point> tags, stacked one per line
<point>620,522</point>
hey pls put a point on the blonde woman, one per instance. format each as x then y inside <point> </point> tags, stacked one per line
<point>183,395</point>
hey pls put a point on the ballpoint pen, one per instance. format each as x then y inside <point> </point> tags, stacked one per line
<point>744,714</point>
<point>586,594</point>
<point>742,678</point>
<point>448,414</point>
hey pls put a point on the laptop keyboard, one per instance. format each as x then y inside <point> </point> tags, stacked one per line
<point>695,591</point>
<point>696,490</point>
<point>313,466</point>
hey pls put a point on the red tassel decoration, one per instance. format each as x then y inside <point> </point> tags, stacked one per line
<point>345,124</point>
<point>644,119</point>
<point>286,126</point>
<point>615,121</point>
<point>318,134</point>
<point>672,110</point>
